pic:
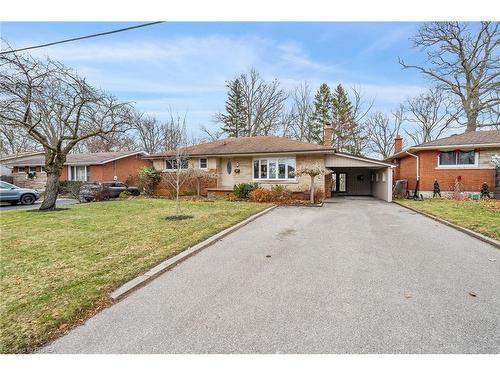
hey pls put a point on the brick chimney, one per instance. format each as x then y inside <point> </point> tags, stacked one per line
<point>328,135</point>
<point>398,144</point>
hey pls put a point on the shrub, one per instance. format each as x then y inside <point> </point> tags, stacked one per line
<point>125,194</point>
<point>281,193</point>
<point>261,195</point>
<point>485,190</point>
<point>243,190</point>
<point>71,188</point>
<point>102,194</point>
<point>149,177</point>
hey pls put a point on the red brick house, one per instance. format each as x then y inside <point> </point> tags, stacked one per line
<point>467,157</point>
<point>29,170</point>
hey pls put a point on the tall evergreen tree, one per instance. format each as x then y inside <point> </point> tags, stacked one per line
<point>234,120</point>
<point>342,118</point>
<point>348,134</point>
<point>322,114</point>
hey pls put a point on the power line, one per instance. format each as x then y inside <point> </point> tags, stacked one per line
<point>82,37</point>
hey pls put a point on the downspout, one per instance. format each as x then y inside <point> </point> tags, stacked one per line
<point>418,173</point>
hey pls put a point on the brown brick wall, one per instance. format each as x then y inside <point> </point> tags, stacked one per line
<point>471,178</point>
<point>189,187</point>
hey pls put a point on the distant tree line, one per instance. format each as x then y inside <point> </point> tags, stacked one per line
<point>463,67</point>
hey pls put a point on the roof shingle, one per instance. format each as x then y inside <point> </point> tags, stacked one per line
<point>249,145</point>
<point>84,159</point>
<point>470,138</point>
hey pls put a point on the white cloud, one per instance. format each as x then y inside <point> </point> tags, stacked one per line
<point>401,32</point>
<point>188,74</point>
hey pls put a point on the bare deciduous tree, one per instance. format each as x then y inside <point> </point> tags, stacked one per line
<point>381,131</point>
<point>178,162</point>
<point>174,132</point>
<point>116,141</point>
<point>150,133</point>
<point>430,114</point>
<point>262,102</point>
<point>57,108</point>
<point>14,140</point>
<point>210,135</point>
<point>464,60</point>
<point>300,121</point>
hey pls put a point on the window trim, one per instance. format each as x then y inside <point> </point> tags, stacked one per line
<point>458,166</point>
<point>206,163</point>
<point>174,169</point>
<point>71,174</point>
<point>277,161</point>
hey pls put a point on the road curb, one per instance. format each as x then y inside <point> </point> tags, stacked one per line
<point>170,263</point>
<point>470,232</point>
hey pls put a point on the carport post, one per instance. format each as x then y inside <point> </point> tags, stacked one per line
<point>389,184</point>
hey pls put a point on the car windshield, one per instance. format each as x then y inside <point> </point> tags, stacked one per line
<point>6,185</point>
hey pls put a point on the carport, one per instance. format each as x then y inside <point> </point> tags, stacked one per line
<point>358,176</point>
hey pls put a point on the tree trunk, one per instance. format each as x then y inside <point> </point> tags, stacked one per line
<point>198,186</point>
<point>311,193</point>
<point>51,191</point>
<point>177,203</point>
<point>471,122</point>
<point>54,170</point>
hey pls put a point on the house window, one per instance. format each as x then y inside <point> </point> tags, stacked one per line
<point>447,158</point>
<point>458,158</point>
<point>171,164</point>
<point>79,172</point>
<point>21,169</point>
<point>273,169</point>
<point>383,176</point>
<point>203,163</point>
<point>31,169</point>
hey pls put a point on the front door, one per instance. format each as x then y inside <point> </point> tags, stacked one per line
<point>341,183</point>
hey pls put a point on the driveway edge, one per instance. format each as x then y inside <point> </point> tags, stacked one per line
<point>170,263</point>
<point>470,232</point>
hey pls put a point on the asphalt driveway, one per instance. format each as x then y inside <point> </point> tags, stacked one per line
<point>355,276</point>
<point>38,203</point>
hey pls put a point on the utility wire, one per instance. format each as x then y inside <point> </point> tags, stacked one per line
<point>82,37</point>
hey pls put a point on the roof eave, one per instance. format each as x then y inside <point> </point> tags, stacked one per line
<point>209,155</point>
<point>442,147</point>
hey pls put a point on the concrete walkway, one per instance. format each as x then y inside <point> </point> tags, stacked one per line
<point>354,276</point>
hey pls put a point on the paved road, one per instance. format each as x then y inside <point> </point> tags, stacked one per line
<point>60,202</point>
<point>356,276</point>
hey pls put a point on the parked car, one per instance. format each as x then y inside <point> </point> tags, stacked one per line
<point>104,190</point>
<point>14,194</point>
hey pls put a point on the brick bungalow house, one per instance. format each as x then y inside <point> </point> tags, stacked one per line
<point>466,156</point>
<point>271,160</point>
<point>29,170</point>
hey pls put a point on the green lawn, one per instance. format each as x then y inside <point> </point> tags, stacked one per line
<point>58,268</point>
<point>481,216</point>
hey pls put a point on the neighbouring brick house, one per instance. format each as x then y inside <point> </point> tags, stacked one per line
<point>270,160</point>
<point>466,156</point>
<point>29,170</point>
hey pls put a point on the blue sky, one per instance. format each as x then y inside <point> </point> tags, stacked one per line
<point>184,66</point>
